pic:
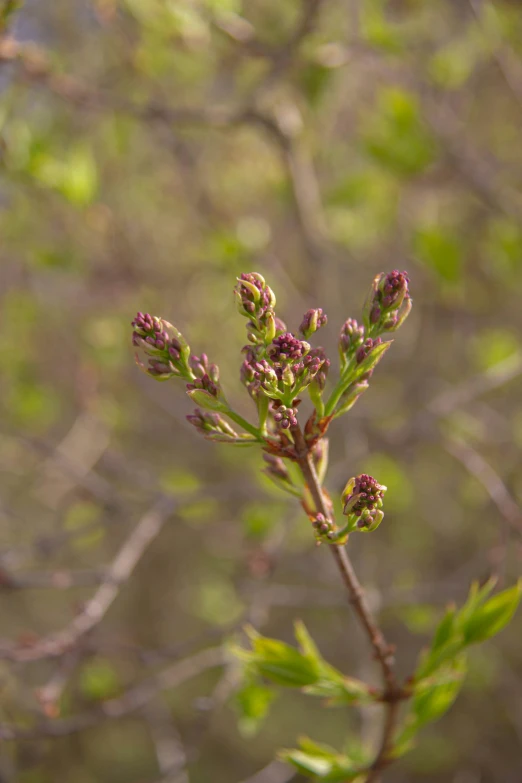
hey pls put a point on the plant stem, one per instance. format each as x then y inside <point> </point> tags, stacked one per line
<point>392,693</point>
<point>244,423</point>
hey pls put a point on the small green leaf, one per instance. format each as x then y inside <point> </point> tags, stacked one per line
<point>445,629</point>
<point>490,618</point>
<point>282,663</point>
<point>306,643</point>
<point>322,761</point>
<point>475,598</point>
<point>432,700</point>
<point>252,702</point>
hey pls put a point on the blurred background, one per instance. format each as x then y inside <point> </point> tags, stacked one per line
<point>151,150</point>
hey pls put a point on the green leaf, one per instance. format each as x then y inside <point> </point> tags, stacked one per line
<point>339,690</point>
<point>395,136</point>
<point>322,761</point>
<point>434,659</point>
<point>445,629</point>
<point>490,618</point>
<point>305,641</point>
<point>252,702</point>
<point>475,598</point>
<point>441,250</point>
<point>432,700</point>
<point>282,663</point>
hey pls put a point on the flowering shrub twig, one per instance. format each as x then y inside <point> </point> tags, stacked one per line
<point>278,368</point>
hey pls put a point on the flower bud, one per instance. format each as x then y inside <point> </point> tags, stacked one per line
<point>364,350</point>
<point>322,525</point>
<point>362,502</point>
<point>286,347</point>
<point>253,296</point>
<point>162,341</point>
<point>388,303</point>
<point>317,365</point>
<point>312,321</point>
<point>214,427</point>
<point>285,417</point>
<point>351,337</point>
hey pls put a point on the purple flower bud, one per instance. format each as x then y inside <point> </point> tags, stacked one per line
<point>363,497</point>
<point>204,383</point>
<point>211,424</point>
<point>312,321</point>
<point>351,337</point>
<point>286,347</point>
<point>375,314</point>
<point>365,349</point>
<point>322,525</point>
<point>317,364</point>
<point>285,417</point>
<point>253,295</point>
<point>388,302</point>
<point>161,340</point>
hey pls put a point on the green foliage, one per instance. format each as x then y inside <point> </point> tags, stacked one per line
<point>252,701</point>
<point>99,680</point>
<point>442,668</point>
<point>440,249</point>
<point>396,137</point>
<point>302,668</point>
<point>322,762</point>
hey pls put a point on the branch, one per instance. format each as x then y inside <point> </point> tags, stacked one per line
<point>490,480</point>
<point>96,607</point>
<point>132,700</point>
<point>383,652</point>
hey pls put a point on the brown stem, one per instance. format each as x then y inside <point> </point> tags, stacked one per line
<point>392,692</point>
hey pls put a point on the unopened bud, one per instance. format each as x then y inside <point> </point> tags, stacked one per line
<point>388,303</point>
<point>362,502</point>
<point>312,321</point>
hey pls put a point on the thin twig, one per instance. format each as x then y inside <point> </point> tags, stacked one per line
<point>96,607</point>
<point>132,700</point>
<point>490,480</point>
<point>383,652</point>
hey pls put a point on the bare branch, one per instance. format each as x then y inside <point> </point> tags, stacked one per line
<point>490,480</point>
<point>134,699</point>
<point>96,607</point>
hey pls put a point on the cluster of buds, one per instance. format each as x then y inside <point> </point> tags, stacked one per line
<point>256,301</point>
<point>201,366</point>
<point>312,321</point>
<point>365,349</point>
<point>362,503</point>
<point>213,426</point>
<point>323,528</point>
<point>388,303</point>
<point>286,348</point>
<point>350,339</point>
<point>277,367</point>
<point>283,416</point>
<point>166,346</point>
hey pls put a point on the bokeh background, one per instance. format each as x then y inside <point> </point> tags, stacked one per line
<point>151,150</point>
